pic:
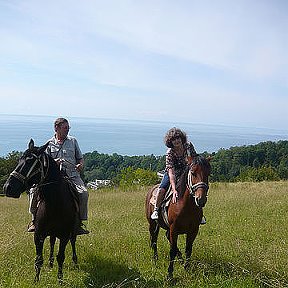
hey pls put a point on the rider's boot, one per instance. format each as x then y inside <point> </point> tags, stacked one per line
<point>82,229</point>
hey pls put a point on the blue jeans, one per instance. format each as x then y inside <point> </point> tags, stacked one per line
<point>165,183</point>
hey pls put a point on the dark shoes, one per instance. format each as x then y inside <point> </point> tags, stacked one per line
<point>82,230</point>
<point>31,227</point>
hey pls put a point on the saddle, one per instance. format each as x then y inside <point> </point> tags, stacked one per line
<point>72,189</point>
<point>163,209</point>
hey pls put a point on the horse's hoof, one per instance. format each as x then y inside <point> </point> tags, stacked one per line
<point>60,278</point>
<point>171,279</point>
<point>187,266</point>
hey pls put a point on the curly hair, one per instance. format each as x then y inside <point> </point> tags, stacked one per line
<point>172,134</point>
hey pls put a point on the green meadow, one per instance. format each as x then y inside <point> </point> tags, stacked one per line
<point>243,244</point>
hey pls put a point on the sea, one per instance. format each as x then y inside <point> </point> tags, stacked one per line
<point>127,137</point>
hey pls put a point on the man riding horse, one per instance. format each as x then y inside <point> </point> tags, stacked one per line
<point>64,149</point>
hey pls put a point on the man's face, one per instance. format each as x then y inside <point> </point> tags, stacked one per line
<point>62,130</point>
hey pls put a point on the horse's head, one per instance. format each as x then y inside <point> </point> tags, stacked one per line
<point>29,171</point>
<point>199,171</point>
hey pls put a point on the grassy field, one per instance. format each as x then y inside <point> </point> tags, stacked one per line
<point>244,243</point>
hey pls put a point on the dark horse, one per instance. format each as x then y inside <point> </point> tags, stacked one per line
<point>185,215</point>
<point>57,214</point>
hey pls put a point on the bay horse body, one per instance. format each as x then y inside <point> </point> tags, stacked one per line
<point>184,216</point>
<point>56,215</point>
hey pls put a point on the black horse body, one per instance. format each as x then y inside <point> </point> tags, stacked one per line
<point>56,215</point>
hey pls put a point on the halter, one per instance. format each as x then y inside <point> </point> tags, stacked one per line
<point>24,179</point>
<point>194,187</point>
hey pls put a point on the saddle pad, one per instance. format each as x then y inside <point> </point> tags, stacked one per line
<point>153,197</point>
<point>167,198</point>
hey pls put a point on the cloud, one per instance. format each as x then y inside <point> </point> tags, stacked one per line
<point>209,60</point>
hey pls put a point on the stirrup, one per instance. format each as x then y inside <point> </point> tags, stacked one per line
<point>154,215</point>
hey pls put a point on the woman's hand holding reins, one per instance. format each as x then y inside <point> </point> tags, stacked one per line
<point>174,196</point>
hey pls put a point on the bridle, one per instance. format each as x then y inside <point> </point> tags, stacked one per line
<point>194,187</point>
<point>32,172</point>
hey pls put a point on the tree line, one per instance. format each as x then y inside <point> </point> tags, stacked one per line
<point>263,161</point>
<point>117,167</point>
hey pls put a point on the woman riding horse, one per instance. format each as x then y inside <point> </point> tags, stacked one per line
<point>184,213</point>
<point>179,154</point>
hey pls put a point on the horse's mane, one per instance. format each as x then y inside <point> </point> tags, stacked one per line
<point>182,182</point>
<point>202,161</point>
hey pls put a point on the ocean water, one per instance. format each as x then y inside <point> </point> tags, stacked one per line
<point>127,137</point>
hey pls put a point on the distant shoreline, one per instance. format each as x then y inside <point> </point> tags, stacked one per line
<point>127,137</point>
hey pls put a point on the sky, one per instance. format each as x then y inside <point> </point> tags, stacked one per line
<point>213,62</point>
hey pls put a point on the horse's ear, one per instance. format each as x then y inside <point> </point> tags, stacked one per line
<point>209,158</point>
<point>44,147</point>
<point>31,144</point>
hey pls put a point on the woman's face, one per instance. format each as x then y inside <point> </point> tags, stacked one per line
<point>177,142</point>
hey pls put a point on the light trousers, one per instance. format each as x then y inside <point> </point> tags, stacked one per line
<point>82,194</point>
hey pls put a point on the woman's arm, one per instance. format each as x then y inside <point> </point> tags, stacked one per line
<point>173,184</point>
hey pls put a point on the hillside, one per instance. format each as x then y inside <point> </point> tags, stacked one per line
<point>263,161</point>
<point>243,244</point>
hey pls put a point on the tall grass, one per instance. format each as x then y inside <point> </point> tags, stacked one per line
<point>244,243</point>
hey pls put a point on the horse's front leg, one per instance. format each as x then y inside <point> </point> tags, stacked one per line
<point>73,245</point>
<point>39,241</point>
<point>188,250</point>
<point>52,245</point>
<point>154,231</point>
<point>173,253</point>
<point>61,257</point>
<point>179,254</point>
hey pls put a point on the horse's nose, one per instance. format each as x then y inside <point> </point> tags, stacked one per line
<point>201,201</point>
<point>6,188</point>
<point>9,191</point>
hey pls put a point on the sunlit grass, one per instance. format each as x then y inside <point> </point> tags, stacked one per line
<point>244,243</point>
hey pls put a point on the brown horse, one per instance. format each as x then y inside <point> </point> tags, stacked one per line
<point>56,214</point>
<point>184,216</point>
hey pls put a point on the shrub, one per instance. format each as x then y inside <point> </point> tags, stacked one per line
<point>130,177</point>
<point>258,174</point>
